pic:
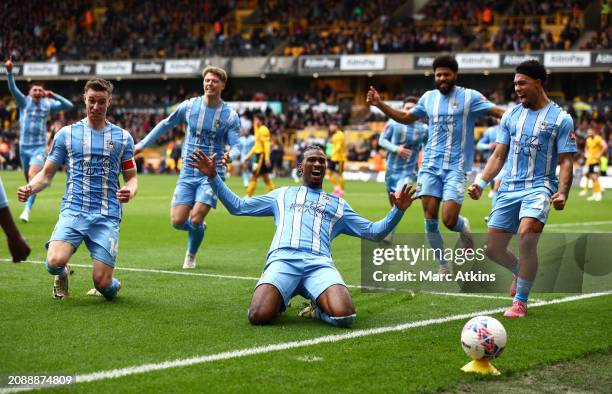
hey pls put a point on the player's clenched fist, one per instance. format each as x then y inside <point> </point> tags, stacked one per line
<point>373,98</point>
<point>474,191</point>
<point>24,192</point>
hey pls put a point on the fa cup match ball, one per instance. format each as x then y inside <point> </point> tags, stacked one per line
<point>483,338</point>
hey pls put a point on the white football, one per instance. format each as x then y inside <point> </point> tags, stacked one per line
<point>483,338</point>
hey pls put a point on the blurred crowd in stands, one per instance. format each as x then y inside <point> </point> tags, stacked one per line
<point>100,29</point>
<point>139,117</point>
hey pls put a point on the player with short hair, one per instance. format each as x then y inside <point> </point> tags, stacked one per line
<point>594,149</point>
<point>33,112</point>
<point>532,137</point>
<point>337,159</point>
<point>261,153</point>
<point>95,152</point>
<point>210,125</point>
<point>299,260</point>
<point>452,111</point>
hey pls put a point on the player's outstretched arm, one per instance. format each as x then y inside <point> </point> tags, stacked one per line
<point>41,181</point>
<point>60,103</point>
<point>566,174</point>
<point>162,128</point>
<point>373,98</point>
<point>493,167</point>
<point>497,111</point>
<point>19,97</point>
<point>256,206</point>
<point>356,225</point>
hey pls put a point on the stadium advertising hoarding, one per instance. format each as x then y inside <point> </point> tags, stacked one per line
<point>76,69</point>
<point>182,66</point>
<point>601,59</point>
<point>242,106</point>
<point>478,60</point>
<point>362,62</point>
<point>40,69</point>
<point>17,70</point>
<point>513,60</point>
<point>423,62</point>
<point>148,67</point>
<point>114,68</point>
<point>567,59</point>
<point>319,63</point>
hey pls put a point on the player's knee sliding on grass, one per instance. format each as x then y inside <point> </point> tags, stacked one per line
<point>307,219</point>
<point>95,152</point>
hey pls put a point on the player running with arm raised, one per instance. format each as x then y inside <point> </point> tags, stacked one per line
<point>452,111</point>
<point>34,110</point>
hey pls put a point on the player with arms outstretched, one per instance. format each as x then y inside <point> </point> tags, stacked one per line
<point>95,152</point>
<point>299,260</point>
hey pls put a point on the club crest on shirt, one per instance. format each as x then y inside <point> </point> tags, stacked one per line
<point>217,123</point>
<point>111,144</point>
<point>544,126</point>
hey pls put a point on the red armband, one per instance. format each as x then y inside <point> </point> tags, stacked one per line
<point>128,164</point>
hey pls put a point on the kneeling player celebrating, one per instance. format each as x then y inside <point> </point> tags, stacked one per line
<point>299,260</point>
<point>94,151</point>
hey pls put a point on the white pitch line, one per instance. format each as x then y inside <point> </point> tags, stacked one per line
<point>252,278</point>
<point>145,368</point>
<point>581,224</point>
<point>150,270</point>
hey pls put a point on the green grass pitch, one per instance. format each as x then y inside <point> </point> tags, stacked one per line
<point>165,316</point>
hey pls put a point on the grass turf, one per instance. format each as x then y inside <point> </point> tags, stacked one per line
<point>161,317</point>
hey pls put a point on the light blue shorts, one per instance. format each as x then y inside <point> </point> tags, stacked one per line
<point>510,207</point>
<point>33,155</point>
<point>309,276</point>
<point>396,181</point>
<point>100,233</point>
<point>443,184</point>
<point>3,199</point>
<point>192,189</point>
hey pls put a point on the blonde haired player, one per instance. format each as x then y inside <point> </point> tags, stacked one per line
<point>261,150</point>
<point>338,158</point>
